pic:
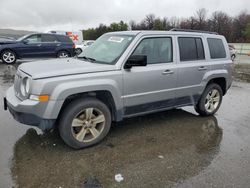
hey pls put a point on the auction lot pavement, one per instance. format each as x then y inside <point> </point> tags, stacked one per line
<point>175,148</point>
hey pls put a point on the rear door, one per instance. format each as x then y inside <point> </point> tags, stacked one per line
<point>49,45</point>
<point>151,87</point>
<point>192,66</point>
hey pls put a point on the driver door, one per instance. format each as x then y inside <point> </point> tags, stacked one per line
<point>152,87</point>
<point>31,46</point>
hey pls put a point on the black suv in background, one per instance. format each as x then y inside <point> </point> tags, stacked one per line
<point>37,45</point>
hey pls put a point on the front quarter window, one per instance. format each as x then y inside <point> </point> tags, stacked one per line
<point>108,48</point>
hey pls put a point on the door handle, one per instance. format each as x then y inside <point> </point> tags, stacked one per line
<point>202,68</point>
<point>39,44</point>
<point>167,72</point>
<point>58,45</point>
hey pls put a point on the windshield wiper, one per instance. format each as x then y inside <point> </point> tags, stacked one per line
<point>88,59</point>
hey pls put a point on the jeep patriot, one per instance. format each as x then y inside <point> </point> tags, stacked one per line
<point>123,74</point>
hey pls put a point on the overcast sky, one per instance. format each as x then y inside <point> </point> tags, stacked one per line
<point>43,15</point>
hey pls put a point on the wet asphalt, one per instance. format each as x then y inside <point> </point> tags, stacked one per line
<point>176,148</point>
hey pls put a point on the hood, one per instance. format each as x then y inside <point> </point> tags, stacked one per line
<point>8,42</point>
<point>62,67</point>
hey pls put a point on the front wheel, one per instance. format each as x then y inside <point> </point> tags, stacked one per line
<point>84,122</point>
<point>210,100</point>
<point>8,57</point>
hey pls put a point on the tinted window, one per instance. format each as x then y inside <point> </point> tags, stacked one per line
<point>191,48</point>
<point>216,48</point>
<point>63,38</point>
<point>34,38</point>
<point>157,50</point>
<point>48,38</point>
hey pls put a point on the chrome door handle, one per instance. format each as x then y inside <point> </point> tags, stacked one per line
<point>58,45</point>
<point>39,45</point>
<point>167,72</point>
<point>202,68</point>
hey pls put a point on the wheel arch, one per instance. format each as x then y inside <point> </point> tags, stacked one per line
<point>63,50</point>
<point>104,96</point>
<point>9,49</point>
<point>221,81</point>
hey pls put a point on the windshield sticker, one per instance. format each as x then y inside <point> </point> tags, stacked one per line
<point>116,39</point>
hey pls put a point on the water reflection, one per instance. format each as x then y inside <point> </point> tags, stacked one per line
<point>188,144</point>
<point>7,73</point>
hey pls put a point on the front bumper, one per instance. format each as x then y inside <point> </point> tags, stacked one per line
<point>27,111</point>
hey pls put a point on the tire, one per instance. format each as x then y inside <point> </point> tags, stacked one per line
<point>63,54</point>
<point>75,125</point>
<point>78,51</point>
<point>233,57</point>
<point>210,100</point>
<point>8,57</point>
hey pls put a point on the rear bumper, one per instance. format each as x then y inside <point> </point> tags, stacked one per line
<point>27,112</point>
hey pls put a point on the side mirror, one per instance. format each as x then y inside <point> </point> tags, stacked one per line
<point>25,41</point>
<point>135,61</point>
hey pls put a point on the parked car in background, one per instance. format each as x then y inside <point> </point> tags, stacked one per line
<point>80,47</point>
<point>233,51</point>
<point>3,38</point>
<point>37,45</point>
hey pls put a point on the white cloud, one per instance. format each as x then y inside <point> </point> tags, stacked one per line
<point>43,15</point>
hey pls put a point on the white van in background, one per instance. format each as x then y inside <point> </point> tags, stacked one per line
<point>76,36</point>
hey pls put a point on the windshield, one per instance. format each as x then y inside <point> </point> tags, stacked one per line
<point>21,38</point>
<point>107,49</point>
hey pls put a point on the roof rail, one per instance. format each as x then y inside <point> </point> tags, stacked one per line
<point>191,30</point>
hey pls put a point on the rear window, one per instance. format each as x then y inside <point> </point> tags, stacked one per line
<point>48,38</point>
<point>63,38</point>
<point>216,48</point>
<point>191,48</point>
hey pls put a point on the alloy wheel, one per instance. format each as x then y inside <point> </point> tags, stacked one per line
<point>212,100</point>
<point>9,57</point>
<point>88,125</point>
<point>63,55</point>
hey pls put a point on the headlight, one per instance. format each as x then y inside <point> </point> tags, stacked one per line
<point>25,86</point>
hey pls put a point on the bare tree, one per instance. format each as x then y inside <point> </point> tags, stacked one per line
<point>174,22</point>
<point>149,21</point>
<point>200,17</point>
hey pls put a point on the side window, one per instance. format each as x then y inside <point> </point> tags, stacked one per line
<point>216,48</point>
<point>34,39</point>
<point>157,50</point>
<point>63,38</point>
<point>191,48</point>
<point>48,38</point>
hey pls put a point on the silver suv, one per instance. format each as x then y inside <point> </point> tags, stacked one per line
<point>122,75</point>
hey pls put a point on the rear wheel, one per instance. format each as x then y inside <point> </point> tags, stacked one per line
<point>63,54</point>
<point>210,100</point>
<point>8,57</point>
<point>84,122</point>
